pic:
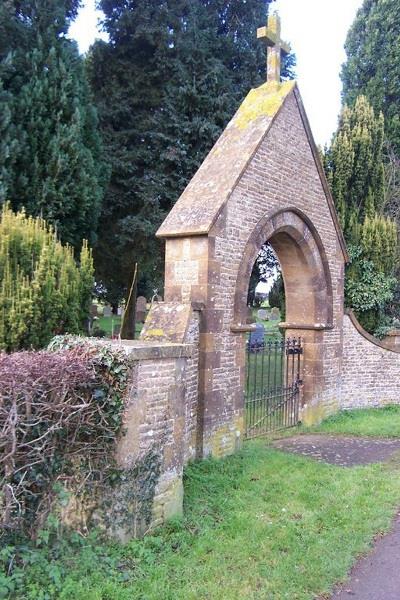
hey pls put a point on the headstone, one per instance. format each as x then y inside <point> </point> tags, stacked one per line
<point>93,310</point>
<point>262,314</point>
<point>256,338</point>
<point>141,309</point>
<point>275,314</point>
<point>119,311</point>
<point>107,311</point>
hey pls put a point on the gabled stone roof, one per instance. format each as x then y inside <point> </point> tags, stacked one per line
<point>201,202</point>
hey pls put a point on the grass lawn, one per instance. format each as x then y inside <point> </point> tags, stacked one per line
<point>381,422</point>
<point>107,324</point>
<point>260,524</point>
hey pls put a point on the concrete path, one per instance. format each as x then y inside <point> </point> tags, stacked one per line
<point>376,576</point>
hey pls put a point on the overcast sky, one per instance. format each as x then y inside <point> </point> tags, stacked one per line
<point>316,30</point>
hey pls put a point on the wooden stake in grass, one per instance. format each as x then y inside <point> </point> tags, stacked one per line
<point>129,319</point>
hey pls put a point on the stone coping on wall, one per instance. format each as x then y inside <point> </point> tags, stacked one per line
<point>146,350</point>
<point>367,335</point>
<point>306,326</point>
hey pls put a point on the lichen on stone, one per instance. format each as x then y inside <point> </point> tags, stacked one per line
<point>262,101</point>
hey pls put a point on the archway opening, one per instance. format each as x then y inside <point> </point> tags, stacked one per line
<point>290,249</point>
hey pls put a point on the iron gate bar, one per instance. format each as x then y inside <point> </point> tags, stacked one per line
<point>272,385</point>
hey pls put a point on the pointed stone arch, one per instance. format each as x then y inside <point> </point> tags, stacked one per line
<point>304,263</point>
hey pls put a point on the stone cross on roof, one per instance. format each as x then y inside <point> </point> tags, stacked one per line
<point>272,35</point>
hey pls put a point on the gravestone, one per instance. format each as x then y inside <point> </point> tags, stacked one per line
<point>262,314</point>
<point>93,310</point>
<point>275,314</point>
<point>256,338</point>
<point>107,311</point>
<point>141,303</point>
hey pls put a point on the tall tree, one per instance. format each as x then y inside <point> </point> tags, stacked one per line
<point>166,84</point>
<point>372,67</point>
<point>51,157</point>
<point>354,166</point>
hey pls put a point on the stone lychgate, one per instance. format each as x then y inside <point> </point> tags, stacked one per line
<point>262,181</point>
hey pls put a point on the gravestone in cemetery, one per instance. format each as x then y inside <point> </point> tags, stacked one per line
<point>275,314</point>
<point>107,311</point>
<point>262,314</point>
<point>141,312</point>
<point>256,337</point>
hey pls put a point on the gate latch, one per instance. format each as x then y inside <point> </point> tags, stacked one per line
<point>294,351</point>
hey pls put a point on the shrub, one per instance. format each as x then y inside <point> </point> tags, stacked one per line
<point>60,414</point>
<point>42,290</point>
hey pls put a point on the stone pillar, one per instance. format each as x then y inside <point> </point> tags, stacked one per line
<point>151,450</point>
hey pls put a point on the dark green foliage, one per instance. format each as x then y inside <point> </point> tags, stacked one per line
<point>276,296</point>
<point>265,266</point>
<point>354,166</point>
<point>50,152</point>
<point>373,62</point>
<point>368,289</point>
<point>166,85</point>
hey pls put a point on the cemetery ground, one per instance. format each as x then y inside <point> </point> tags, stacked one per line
<point>112,324</point>
<point>259,524</point>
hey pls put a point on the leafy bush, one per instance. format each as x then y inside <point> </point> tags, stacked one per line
<point>60,414</point>
<point>367,291</point>
<point>42,290</point>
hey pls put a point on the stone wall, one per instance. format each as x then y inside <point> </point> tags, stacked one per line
<point>159,433</point>
<point>371,370</point>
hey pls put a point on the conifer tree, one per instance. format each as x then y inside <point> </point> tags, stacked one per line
<point>372,67</point>
<point>166,85</point>
<point>354,164</point>
<point>50,161</point>
<point>355,170</point>
<point>43,291</point>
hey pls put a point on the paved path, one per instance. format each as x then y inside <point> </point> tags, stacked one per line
<point>344,451</point>
<point>376,576</point>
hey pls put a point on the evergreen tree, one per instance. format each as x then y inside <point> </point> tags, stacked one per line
<point>51,157</point>
<point>42,290</point>
<point>354,166</point>
<point>373,62</point>
<point>166,85</point>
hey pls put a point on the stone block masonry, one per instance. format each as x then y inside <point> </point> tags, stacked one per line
<point>261,182</point>
<point>159,433</point>
<point>371,369</point>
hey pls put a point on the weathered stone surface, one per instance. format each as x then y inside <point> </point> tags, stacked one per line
<point>199,205</point>
<point>167,321</point>
<point>371,371</point>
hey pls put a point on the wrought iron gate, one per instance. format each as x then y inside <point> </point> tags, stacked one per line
<point>273,381</point>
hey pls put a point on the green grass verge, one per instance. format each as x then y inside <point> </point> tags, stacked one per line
<point>378,422</point>
<point>108,324</point>
<point>260,524</point>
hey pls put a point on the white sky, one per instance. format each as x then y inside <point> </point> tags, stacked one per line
<point>316,30</point>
